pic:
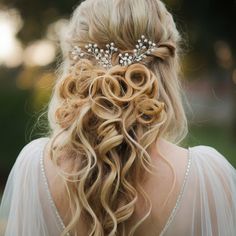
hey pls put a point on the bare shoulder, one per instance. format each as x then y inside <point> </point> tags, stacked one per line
<point>56,183</point>
<point>164,188</point>
<point>164,152</point>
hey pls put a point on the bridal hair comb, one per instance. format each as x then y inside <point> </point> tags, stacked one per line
<point>144,47</point>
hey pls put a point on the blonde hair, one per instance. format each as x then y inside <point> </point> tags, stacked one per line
<point>109,118</point>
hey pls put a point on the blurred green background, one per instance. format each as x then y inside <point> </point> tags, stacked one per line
<point>29,56</point>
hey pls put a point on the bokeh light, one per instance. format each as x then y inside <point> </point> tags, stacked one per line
<point>11,49</point>
<point>40,53</point>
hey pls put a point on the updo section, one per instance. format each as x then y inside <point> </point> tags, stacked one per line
<point>110,95</point>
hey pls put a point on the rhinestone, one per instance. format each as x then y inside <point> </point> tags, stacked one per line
<point>143,37</point>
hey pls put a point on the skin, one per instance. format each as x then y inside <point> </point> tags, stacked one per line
<point>163,181</point>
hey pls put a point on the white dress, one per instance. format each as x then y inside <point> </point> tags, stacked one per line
<point>206,205</point>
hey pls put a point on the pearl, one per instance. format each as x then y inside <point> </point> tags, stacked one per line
<point>143,48</point>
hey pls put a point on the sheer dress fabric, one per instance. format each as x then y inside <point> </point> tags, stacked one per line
<point>206,205</point>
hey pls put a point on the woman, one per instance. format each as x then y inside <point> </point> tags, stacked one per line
<point>112,164</point>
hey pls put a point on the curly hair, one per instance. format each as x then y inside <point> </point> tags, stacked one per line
<point>109,118</point>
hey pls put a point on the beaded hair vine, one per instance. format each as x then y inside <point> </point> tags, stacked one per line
<point>144,47</point>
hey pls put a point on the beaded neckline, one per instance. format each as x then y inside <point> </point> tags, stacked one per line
<point>180,196</point>
<point>54,208</point>
<point>172,214</point>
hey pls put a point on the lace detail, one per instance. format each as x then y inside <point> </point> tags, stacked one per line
<point>174,210</point>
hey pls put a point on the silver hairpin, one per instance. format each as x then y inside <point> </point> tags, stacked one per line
<point>143,48</point>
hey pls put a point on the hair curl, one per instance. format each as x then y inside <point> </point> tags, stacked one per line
<point>109,118</point>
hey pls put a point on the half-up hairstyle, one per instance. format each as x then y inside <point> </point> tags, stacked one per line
<point>106,119</point>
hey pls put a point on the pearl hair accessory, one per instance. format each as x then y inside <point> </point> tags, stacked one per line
<point>143,48</point>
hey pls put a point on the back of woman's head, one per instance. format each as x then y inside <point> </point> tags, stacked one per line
<point>108,117</point>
